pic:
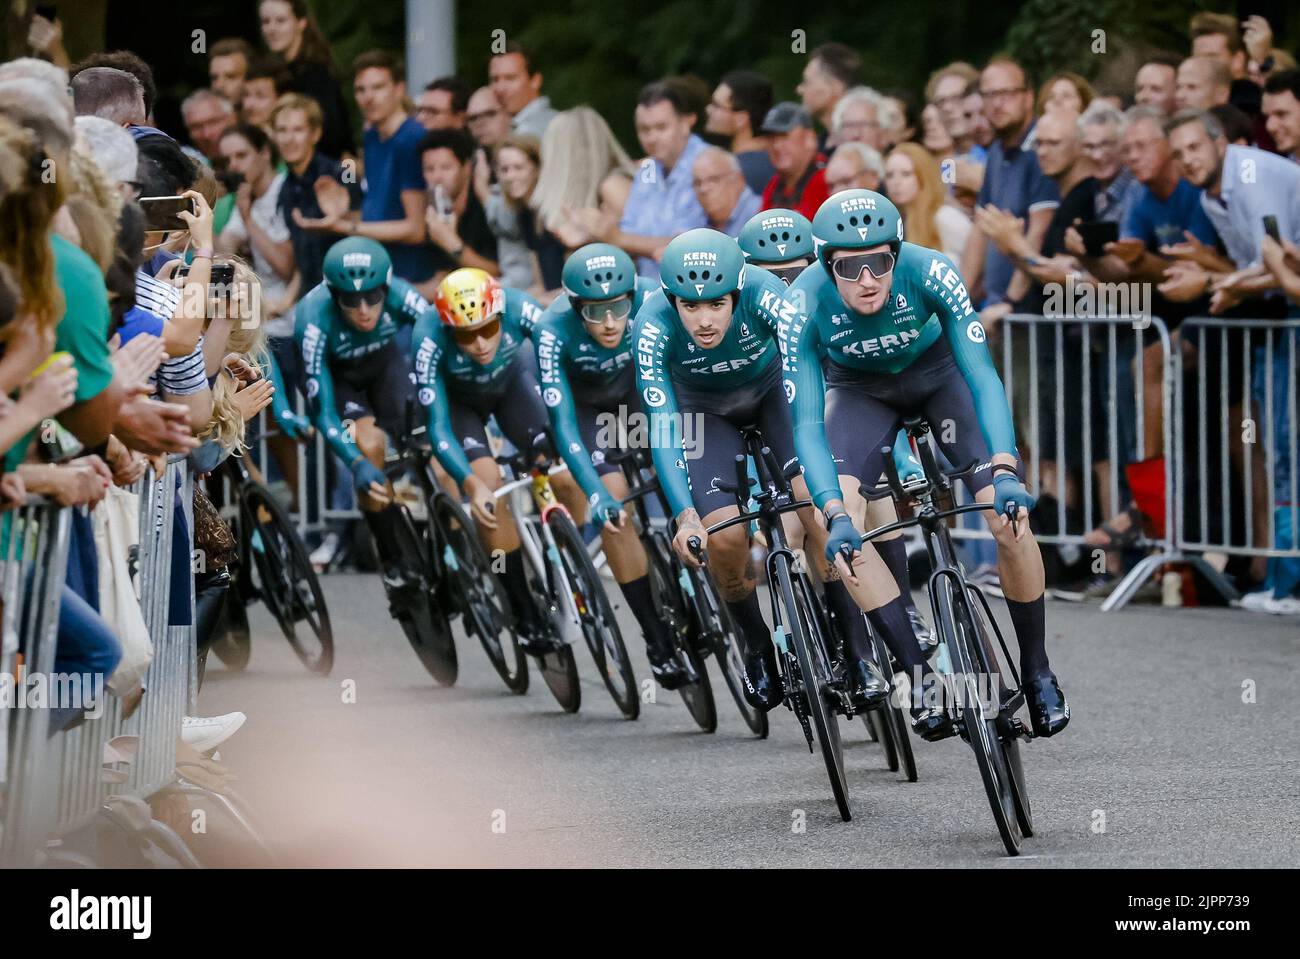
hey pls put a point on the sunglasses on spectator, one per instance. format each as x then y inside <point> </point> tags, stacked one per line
<point>485,332</point>
<point>596,313</point>
<point>350,300</point>
<point>850,267</point>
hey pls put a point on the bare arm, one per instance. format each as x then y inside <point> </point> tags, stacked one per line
<point>409,229</point>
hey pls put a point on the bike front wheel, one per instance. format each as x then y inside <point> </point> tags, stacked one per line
<point>595,614</point>
<point>808,635</point>
<point>286,581</point>
<point>980,729</point>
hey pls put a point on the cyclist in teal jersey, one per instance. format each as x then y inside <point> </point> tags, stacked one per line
<point>707,354</point>
<point>781,241</point>
<point>889,331</point>
<point>473,359</point>
<point>358,380</point>
<point>584,356</point>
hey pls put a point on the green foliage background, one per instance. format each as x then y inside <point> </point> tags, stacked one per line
<point>601,53</point>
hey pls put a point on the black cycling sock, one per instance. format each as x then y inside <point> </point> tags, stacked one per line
<point>383,526</point>
<point>891,622</point>
<point>894,553</point>
<point>1029,620</point>
<point>747,614</point>
<point>849,618</point>
<point>515,579</point>
<point>642,604</point>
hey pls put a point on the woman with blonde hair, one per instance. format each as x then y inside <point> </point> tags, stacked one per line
<point>585,174</point>
<point>913,182</point>
<point>241,389</point>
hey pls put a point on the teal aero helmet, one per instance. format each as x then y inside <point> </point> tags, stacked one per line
<point>856,220</point>
<point>776,236</point>
<point>702,264</point>
<point>357,264</point>
<point>598,271</point>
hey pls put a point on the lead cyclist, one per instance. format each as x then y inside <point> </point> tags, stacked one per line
<point>889,331</point>
<point>781,241</point>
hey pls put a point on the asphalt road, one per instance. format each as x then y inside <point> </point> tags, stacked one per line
<point>1181,752</point>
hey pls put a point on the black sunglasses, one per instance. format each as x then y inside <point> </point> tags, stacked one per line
<point>350,300</point>
<point>786,274</point>
<point>850,267</point>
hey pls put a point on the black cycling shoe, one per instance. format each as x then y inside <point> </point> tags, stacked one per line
<point>867,686</point>
<point>665,668</point>
<point>536,640</point>
<point>926,637</point>
<point>762,680</point>
<point>932,723</point>
<point>403,590</point>
<point>1048,710</point>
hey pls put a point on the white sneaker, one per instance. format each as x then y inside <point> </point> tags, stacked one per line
<point>1256,602</point>
<point>1286,606</point>
<point>205,733</point>
<point>324,554</point>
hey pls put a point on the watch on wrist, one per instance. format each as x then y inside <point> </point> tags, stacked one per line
<point>832,517</point>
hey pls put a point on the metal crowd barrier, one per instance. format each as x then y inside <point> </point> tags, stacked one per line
<point>1084,374</point>
<point>58,785</point>
<point>1237,444</point>
<point>36,537</point>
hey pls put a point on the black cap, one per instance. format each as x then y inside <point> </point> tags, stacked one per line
<point>786,116</point>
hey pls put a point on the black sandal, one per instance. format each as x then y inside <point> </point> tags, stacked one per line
<point>1121,540</point>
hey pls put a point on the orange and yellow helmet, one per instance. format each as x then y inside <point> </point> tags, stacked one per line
<point>469,298</point>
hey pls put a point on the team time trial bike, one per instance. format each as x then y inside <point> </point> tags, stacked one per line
<point>808,659</point>
<point>568,596</point>
<point>454,576</point>
<point>687,599</point>
<point>274,568</point>
<point>964,624</point>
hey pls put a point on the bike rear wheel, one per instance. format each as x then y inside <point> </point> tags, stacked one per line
<point>424,623</point>
<point>477,593</point>
<point>286,581</point>
<point>981,731</point>
<point>714,620</point>
<point>808,635</point>
<point>893,720</point>
<point>595,614</point>
<point>234,646</point>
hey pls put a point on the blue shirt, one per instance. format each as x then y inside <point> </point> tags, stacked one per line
<point>392,166</point>
<point>746,206</point>
<point>1158,222</point>
<point>1013,182</point>
<point>1255,184</point>
<point>663,204</point>
<point>757,168</point>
